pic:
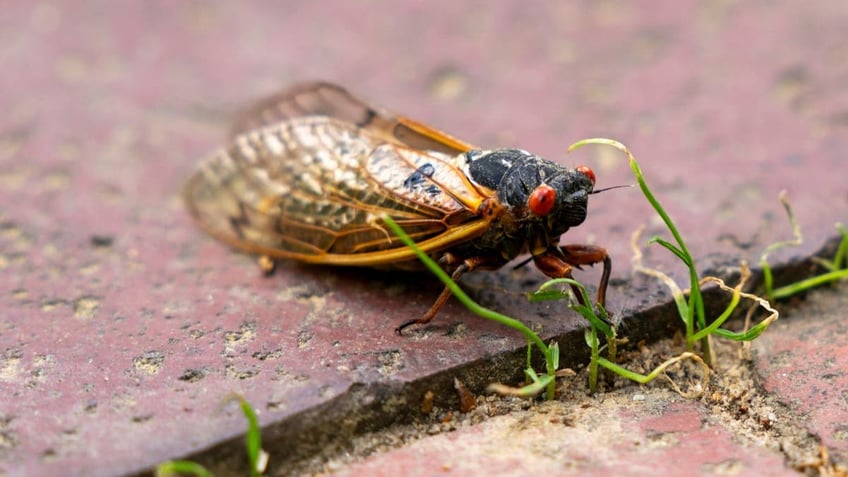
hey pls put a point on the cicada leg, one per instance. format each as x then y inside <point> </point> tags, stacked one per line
<point>267,265</point>
<point>447,261</point>
<point>556,265</point>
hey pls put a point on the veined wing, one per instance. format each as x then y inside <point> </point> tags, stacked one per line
<point>313,188</point>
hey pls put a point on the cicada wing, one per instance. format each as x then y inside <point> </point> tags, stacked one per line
<point>326,99</point>
<point>307,99</point>
<point>315,189</point>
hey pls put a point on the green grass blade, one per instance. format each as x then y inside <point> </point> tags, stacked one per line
<point>253,437</point>
<point>174,468</point>
<point>696,303</point>
<point>806,284</point>
<point>670,246</point>
<point>748,335</point>
<point>716,324</point>
<point>554,348</point>
<point>547,295</point>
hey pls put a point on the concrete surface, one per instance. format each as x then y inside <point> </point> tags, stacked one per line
<point>124,327</point>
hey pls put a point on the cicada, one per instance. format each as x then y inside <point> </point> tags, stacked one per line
<point>310,173</point>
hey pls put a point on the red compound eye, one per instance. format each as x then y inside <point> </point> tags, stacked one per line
<point>587,172</point>
<point>542,200</point>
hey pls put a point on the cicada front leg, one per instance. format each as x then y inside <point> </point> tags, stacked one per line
<point>559,265</point>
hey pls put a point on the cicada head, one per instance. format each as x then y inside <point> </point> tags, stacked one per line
<point>561,199</point>
<point>543,194</point>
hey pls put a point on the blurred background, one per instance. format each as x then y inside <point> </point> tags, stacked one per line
<point>125,320</point>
